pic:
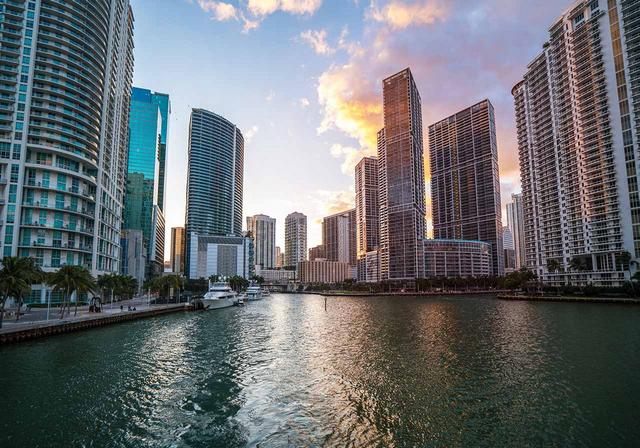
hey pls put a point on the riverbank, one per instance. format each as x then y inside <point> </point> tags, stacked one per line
<point>411,294</point>
<point>18,332</point>
<point>534,298</point>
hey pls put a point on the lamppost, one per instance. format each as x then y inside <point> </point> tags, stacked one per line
<point>48,302</point>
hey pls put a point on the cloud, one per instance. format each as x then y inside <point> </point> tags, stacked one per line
<point>351,156</point>
<point>220,11</point>
<point>248,136</point>
<point>318,41</point>
<point>328,202</point>
<point>253,12</point>
<point>350,103</point>
<point>266,7</point>
<point>304,102</point>
<point>399,14</point>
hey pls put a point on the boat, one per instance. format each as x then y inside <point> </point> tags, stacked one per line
<point>220,295</point>
<point>254,292</point>
<point>266,292</point>
<point>240,300</point>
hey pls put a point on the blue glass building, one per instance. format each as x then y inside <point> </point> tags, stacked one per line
<point>214,179</point>
<point>144,204</point>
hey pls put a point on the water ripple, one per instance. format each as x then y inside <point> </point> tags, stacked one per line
<point>367,372</point>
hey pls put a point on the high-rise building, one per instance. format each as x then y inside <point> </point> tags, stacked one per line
<point>295,239</point>
<point>509,250</point>
<point>515,222</point>
<point>263,231</point>
<point>317,253</point>
<point>64,115</point>
<point>215,178</point>
<point>339,237</point>
<point>367,208</point>
<point>134,255</point>
<point>279,257</point>
<point>177,250</point>
<point>401,180</point>
<point>465,184</point>
<point>144,200</point>
<point>577,116</point>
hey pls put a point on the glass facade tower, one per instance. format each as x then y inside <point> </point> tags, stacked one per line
<point>215,177</point>
<point>465,183</point>
<point>401,180</point>
<point>144,204</point>
<point>65,82</point>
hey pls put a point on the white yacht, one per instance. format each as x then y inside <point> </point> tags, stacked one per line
<point>254,292</point>
<point>220,295</point>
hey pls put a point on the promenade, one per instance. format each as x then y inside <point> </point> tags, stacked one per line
<point>34,323</point>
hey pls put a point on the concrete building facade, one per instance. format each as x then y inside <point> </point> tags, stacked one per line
<point>578,126</point>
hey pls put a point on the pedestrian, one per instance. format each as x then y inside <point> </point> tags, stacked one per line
<point>129,308</point>
<point>121,308</point>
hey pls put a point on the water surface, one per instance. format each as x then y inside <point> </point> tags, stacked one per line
<point>372,372</point>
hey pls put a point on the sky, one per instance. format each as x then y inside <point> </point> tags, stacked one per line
<point>302,80</point>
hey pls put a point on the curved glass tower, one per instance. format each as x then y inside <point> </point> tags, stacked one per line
<point>215,177</point>
<point>65,81</point>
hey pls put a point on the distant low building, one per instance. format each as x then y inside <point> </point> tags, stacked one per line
<point>220,255</point>
<point>457,258</point>
<point>276,275</point>
<point>324,271</point>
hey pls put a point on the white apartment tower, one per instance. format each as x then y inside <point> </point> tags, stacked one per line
<point>577,119</point>
<point>295,239</point>
<point>515,223</point>
<point>65,84</point>
<point>263,232</point>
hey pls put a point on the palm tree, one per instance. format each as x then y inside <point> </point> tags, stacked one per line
<point>108,282</point>
<point>69,279</point>
<point>16,277</point>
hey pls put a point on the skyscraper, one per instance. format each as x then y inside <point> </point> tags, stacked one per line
<point>279,258</point>
<point>263,232</point>
<point>578,132</point>
<point>465,184</point>
<point>66,73</point>
<point>177,250</point>
<point>401,181</point>
<point>367,208</point>
<point>515,222</point>
<point>144,201</point>
<point>295,239</point>
<point>339,237</point>
<point>317,252</point>
<point>214,179</point>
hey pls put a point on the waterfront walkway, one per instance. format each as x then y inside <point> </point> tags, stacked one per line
<point>24,329</point>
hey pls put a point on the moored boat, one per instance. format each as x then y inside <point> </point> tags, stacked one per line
<point>220,295</point>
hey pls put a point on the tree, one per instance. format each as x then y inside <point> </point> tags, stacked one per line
<point>16,277</point>
<point>107,282</point>
<point>69,279</point>
<point>214,278</point>
<point>258,279</point>
<point>238,283</point>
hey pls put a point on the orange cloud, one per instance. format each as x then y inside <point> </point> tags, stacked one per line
<point>399,14</point>
<point>350,104</point>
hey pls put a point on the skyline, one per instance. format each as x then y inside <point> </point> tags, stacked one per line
<point>329,106</point>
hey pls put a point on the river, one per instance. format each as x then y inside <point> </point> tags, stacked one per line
<point>367,372</point>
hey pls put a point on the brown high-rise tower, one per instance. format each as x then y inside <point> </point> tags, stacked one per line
<point>401,181</point>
